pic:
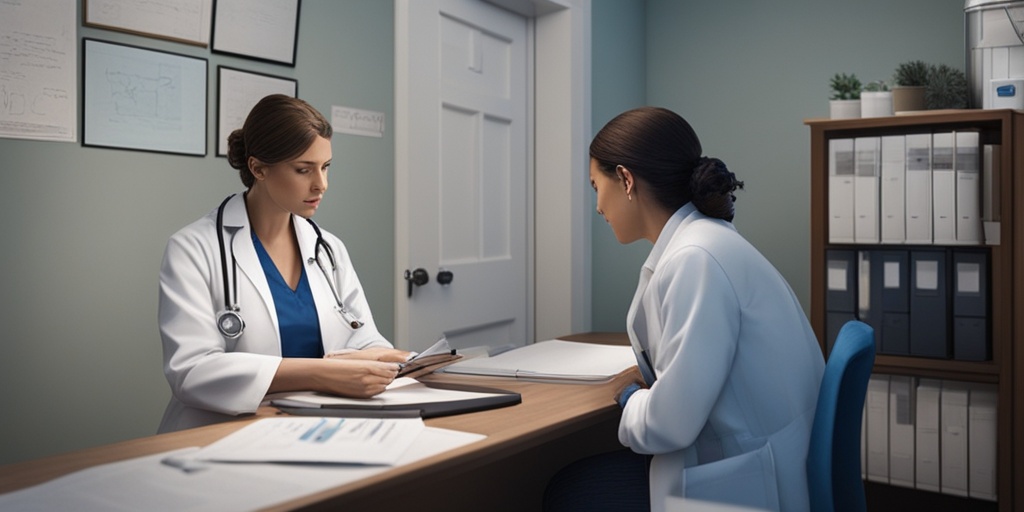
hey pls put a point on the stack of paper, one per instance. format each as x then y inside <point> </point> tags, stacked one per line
<point>552,360</point>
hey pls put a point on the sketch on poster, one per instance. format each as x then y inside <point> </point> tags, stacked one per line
<point>143,99</point>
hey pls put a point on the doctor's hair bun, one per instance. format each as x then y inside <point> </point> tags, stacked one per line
<point>236,150</point>
<point>712,185</point>
<point>278,128</point>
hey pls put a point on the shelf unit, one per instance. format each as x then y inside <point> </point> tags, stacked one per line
<point>1006,369</point>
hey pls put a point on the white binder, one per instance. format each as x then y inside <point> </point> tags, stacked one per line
<point>926,442</point>
<point>953,439</point>
<point>840,190</point>
<point>943,189</point>
<point>866,183</point>
<point>902,394</point>
<point>981,442</point>
<point>967,163</point>
<point>893,190</point>
<point>919,188</point>
<point>878,428</point>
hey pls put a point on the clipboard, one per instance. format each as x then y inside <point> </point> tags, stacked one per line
<point>436,399</point>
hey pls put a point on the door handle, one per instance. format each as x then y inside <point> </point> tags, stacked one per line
<point>418,277</point>
<point>444,277</point>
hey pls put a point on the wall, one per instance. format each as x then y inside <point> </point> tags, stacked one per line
<point>745,75</point>
<point>86,230</point>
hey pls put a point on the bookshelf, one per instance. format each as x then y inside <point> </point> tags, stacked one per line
<point>1006,367</point>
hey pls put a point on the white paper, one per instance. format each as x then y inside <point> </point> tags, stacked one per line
<point>968,278</point>
<point>38,65</point>
<point>553,360</point>
<point>186,20</point>
<point>357,122</point>
<point>127,485</point>
<point>927,275</point>
<point>891,274</point>
<point>837,275</point>
<point>240,91</point>
<point>306,439</point>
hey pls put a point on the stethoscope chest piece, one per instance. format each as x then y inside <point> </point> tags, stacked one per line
<point>230,323</point>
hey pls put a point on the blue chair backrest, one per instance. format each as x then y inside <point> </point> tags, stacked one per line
<point>833,461</point>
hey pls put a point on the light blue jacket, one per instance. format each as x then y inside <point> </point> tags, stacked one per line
<point>737,366</point>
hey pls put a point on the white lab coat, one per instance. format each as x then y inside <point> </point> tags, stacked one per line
<point>213,378</point>
<point>737,365</point>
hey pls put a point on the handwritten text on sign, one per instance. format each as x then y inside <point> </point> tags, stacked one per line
<point>357,122</point>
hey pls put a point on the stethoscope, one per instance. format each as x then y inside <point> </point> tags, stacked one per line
<point>229,320</point>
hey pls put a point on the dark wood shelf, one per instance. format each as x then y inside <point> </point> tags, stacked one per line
<point>1004,127</point>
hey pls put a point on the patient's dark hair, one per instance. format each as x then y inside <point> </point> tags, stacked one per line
<point>661,149</point>
<point>278,128</point>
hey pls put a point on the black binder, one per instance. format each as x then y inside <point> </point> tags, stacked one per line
<point>890,299</point>
<point>929,304</point>
<point>840,292</point>
<point>971,340</point>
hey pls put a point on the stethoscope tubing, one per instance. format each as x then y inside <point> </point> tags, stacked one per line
<point>229,321</point>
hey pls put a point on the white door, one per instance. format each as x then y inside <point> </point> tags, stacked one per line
<point>462,173</point>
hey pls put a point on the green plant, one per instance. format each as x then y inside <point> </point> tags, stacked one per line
<point>912,73</point>
<point>876,86</point>
<point>845,87</point>
<point>946,88</point>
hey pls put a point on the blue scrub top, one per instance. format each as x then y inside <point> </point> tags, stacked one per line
<point>296,311</point>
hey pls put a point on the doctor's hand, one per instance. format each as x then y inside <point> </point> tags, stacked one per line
<point>392,355</point>
<point>356,378</point>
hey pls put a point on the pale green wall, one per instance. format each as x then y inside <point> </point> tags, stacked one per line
<point>86,227</point>
<point>85,231</point>
<point>745,75</point>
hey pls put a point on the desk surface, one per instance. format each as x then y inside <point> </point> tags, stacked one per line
<point>526,444</point>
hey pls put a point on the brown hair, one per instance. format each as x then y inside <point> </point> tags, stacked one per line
<point>661,149</point>
<point>278,128</point>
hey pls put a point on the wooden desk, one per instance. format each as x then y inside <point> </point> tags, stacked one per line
<point>526,444</point>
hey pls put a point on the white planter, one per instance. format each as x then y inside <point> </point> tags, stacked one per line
<point>876,104</point>
<point>844,109</point>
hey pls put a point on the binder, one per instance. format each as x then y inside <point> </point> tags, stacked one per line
<point>953,438</point>
<point>929,334</point>
<point>893,190</point>
<point>926,441</point>
<point>840,292</point>
<point>840,190</point>
<point>878,428</point>
<point>902,404</point>
<point>990,182</point>
<point>919,188</point>
<point>971,340</point>
<point>890,285</point>
<point>981,442</point>
<point>943,189</point>
<point>866,182</point>
<point>968,188</point>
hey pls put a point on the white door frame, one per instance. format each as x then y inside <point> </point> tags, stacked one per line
<point>559,228</point>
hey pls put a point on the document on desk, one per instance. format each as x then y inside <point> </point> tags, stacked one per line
<point>122,486</point>
<point>552,361</point>
<point>405,397</point>
<point>324,440</point>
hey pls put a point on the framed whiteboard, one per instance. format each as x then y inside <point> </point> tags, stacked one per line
<point>238,92</point>
<point>147,100</point>
<point>264,30</point>
<point>184,21</point>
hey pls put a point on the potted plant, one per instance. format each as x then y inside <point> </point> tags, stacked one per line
<point>845,100</point>
<point>876,100</point>
<point>909,84</point>
<point>947,88</point>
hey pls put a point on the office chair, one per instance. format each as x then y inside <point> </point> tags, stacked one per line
<point>833,460</point>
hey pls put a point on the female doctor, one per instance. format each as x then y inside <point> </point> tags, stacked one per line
<point>729,366</point>
<point>254,294</point>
